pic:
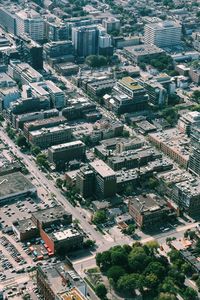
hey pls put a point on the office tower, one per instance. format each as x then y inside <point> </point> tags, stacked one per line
<point>163,34</point>
<point>8,19</point>
<point>31,53</point>
<point>85,40</point>
<point>56,29</point>
<point>194,161</point>
<point>30,23</point>
<point>85,182</point>
<point>111,25</point>
<point>105,179</point>
<point>104,43</point>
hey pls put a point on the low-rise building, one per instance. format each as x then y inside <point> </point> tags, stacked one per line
<point>60,282</point>
<point>148,211</point>
<point>14,186</point>
<point>23,72</point>
<point>173,143</point>
<point>140,52</point>
<point>44,123</point>
<point>47,137</point>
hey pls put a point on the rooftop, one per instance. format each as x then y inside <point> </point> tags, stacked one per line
<point>73,294</point>
<point>50,130</point>
<point>14,184</point>
<point>51,214</point>
<point>147,203</point>
<point>66,145</point>
<point>130,83</point>
<point>102,168</point>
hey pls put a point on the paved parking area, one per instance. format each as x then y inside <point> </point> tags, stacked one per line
<point>22,209</point>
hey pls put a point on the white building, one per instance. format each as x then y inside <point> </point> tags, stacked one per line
<point>30,23</point>
<point>163,34</point>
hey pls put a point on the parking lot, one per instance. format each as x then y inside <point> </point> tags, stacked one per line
<point>21,209</point>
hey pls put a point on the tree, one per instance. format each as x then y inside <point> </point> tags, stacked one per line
<point>151,281</point>
<point>103,260</point>
<point>115,272</point>
<point>41,160</point>
<point>59,183</point>
<point>101,291</point>
<point>196,96</point>
<point>89,243</point>
<point>130,230</point>
<point>190,294</point>
<point>100,217</point>
<point>137,259</point>
<point>128,189</point>
<point>155,268</point>
<point>119,256</point>
<point>186,268</point>
<point>128,283</point>
<point>166,296</point>
<point>35,150</point>
<point>96,61</point>
<point>174,255</point>
<point>152,183</point>
<point>152,245</point>
<point>21,141</point>
<point>198,283</point>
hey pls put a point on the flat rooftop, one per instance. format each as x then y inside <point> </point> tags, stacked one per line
<point>51,214</point>
<point>173,139</point>
<point>164,25</point>
<point>14,184</point>
<point>66,145</point>
<point>73,294</point>
<point>147,203</point>
<point>64,234</point>
<point>130,83</point>
<point>102,168</point>
<point>25,225</point>
<point>143,50</point>
<point>50,130</point>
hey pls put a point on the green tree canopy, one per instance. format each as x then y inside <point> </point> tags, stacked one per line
<point>96,61</point>
<point>115,272</point>
<point>100,217</point>
<point>101,291</point>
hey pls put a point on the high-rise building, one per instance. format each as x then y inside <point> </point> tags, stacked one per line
<point>85,182</point>
<point>163,34</point>
<point>85,40</point>
<point>194,161</point>
<point>105,179</point>
<point>8,19</point>
<point>31,53</point>
<point>30,23</point>
<point>111,25</point>
<point>49,89</point>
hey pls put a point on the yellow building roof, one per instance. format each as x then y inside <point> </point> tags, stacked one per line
<point>130,83</point>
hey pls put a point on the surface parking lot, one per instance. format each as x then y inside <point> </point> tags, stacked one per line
<point>21,209</point>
